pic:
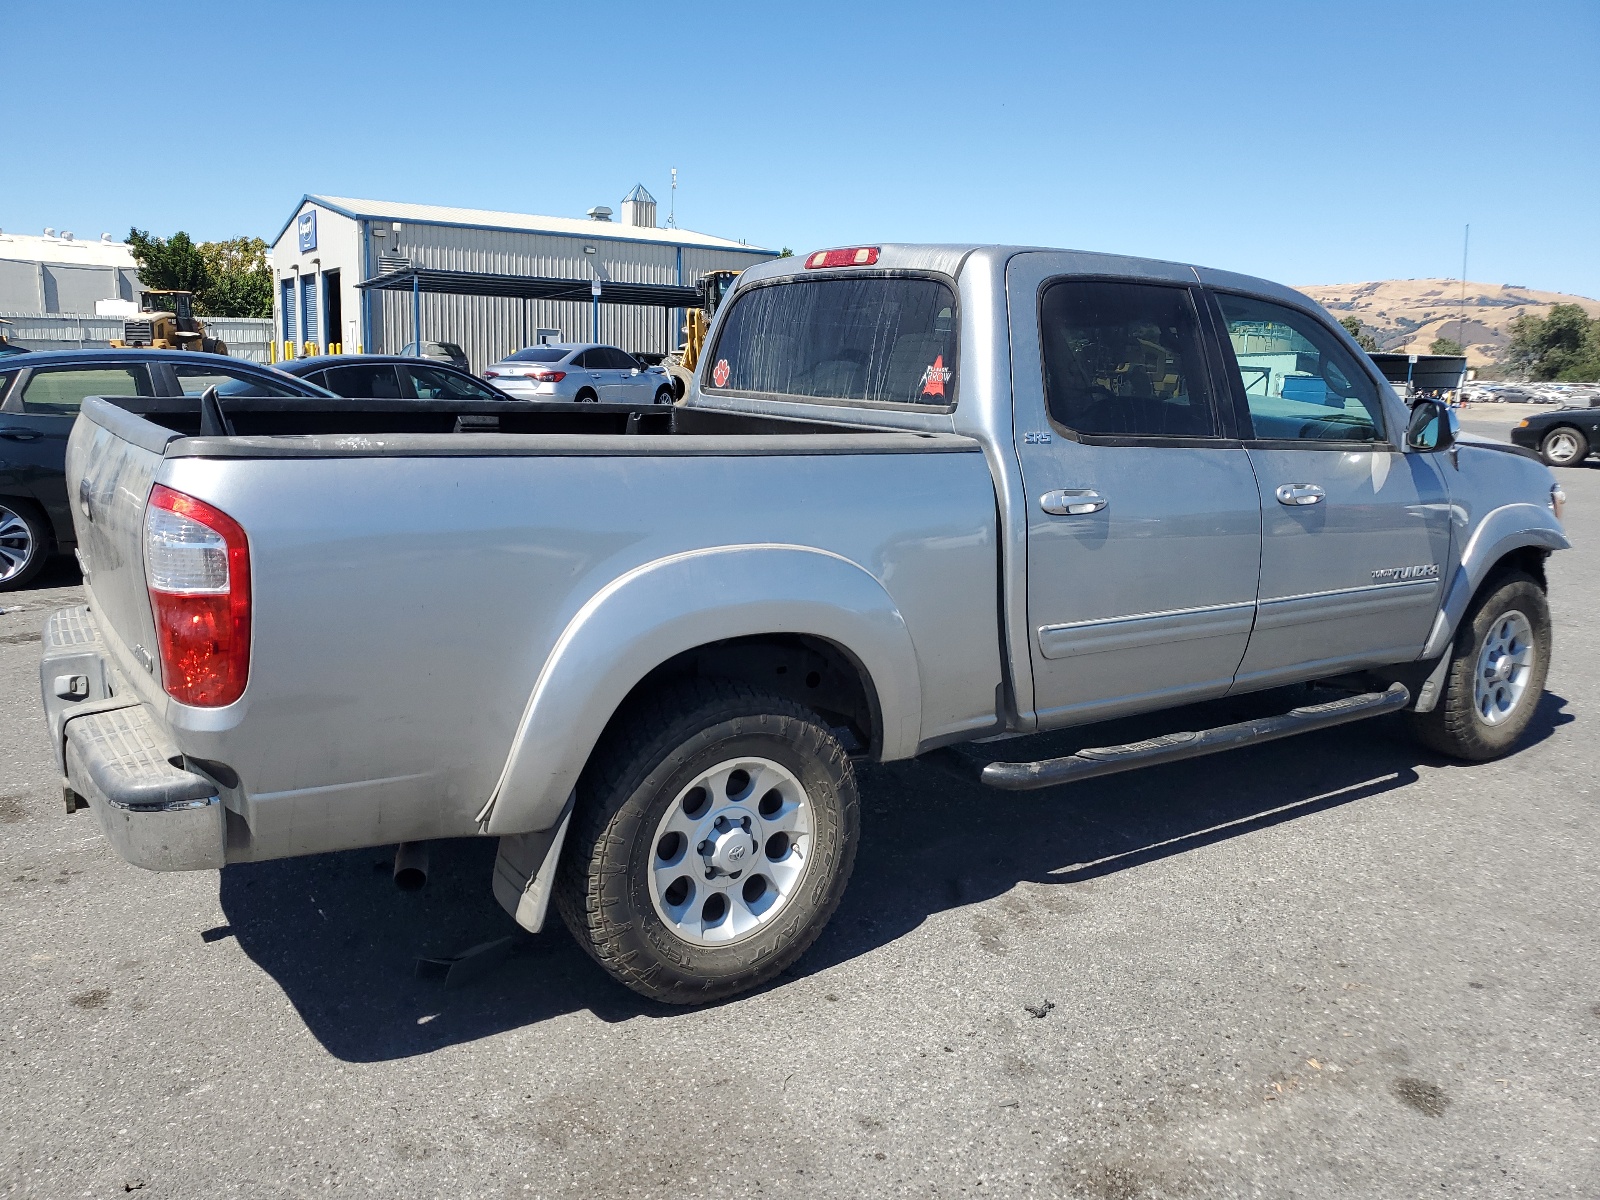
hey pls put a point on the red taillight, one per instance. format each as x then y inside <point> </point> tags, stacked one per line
<point>491,374</point>
<point>850,256</point>
<point>547,376</point>
<point>197,566</point>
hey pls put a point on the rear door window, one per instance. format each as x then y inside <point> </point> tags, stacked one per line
<point>192,381</point>
<point>62,389</point>
<point>1124,360</point>
<point>871,340</point>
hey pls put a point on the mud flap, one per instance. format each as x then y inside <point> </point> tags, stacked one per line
<point>525,870</point>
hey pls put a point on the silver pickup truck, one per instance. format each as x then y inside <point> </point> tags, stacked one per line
<point>919,496</point>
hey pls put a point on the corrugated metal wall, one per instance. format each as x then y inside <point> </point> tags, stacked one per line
<point>488,328</point>
<point>247,337</point>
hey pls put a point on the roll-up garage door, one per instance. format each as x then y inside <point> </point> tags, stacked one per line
<point>308,307</point>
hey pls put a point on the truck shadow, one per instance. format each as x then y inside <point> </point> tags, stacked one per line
<point>343,942</point>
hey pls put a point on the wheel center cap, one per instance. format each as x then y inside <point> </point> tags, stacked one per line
<point>732,847</point>
<point>1502,665</point>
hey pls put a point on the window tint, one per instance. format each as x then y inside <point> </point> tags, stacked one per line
<point>539,354</point>
<point>62,389</point>
<point>622,360</point>
<point>1299,381</point>
<point>873,340</point>
<point>376,381</point>
<point>589,360</point>
<point>428,383</point>
<point>1124,359</point>
<point>194,380</point>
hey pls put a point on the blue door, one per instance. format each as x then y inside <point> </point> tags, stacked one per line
<point>286,306</point>
<point>308,307</point>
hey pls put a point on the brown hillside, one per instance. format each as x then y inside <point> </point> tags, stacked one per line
<point>1405,315</point>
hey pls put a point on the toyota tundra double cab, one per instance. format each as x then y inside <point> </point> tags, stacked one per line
<point>918,496</point>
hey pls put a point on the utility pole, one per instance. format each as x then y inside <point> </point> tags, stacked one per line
<point>672,202</point>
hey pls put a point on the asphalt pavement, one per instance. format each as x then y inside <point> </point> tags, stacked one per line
<point>1334,966</point>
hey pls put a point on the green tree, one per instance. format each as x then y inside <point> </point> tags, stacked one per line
<point>1365,340</point>
<point>786,253</point>
<point>168,264</point>
<point>228,279</point>
<point>1563,344</point>
<point>1446,345</point>
<point>238,279</point>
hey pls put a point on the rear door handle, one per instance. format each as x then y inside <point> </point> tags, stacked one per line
<point>16,434</point>
<point>1072,502</point>
<point>1296,494</point>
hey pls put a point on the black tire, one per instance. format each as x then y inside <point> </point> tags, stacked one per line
<point>1564,446</point>
<point>25,543</point>
<point>1456,727</point>
<point>665,395</point>
<point>638,772</point>
<point>586,396</point>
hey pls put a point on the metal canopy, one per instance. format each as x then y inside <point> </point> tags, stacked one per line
<point>1441,371</point>
<point>532,287</point>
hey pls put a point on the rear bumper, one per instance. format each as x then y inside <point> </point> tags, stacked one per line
<point>156,813</point>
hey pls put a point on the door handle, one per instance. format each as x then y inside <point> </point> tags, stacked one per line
<point>1072,502</point>
<point>1296,494</point>
<point>20,435</point>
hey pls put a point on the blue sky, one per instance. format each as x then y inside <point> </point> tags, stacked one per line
<point>1307,142</point>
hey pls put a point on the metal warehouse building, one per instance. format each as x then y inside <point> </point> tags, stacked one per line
<point>331,246</point>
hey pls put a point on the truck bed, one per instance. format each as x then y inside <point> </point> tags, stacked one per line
<point>415,567</point>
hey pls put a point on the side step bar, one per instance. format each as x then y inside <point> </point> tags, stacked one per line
<point>1109,760</point>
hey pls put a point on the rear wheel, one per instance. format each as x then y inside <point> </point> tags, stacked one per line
<point>24,544</point>
<point>586,396</point>
<point>716,830</point>
<point>1498,665</point>
<point>1564,446</point>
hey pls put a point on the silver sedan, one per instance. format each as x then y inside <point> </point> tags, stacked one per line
<point>581,372</point>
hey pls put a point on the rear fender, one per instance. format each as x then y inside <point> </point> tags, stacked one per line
<point>674,604</point>
<point>1501,531</point>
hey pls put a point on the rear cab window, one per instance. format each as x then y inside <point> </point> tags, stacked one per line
<point>888,340</point>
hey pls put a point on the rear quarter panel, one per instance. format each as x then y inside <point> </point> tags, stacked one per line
<point>404,607</point>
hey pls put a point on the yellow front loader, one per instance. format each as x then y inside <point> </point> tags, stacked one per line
<point>166,321</point>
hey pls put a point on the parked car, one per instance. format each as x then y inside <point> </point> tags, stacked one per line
<point>1563,438</point>
<point>40,393</point>
<point>919,497</point>
<point>442,351</point>
<point>585,372</point>
<point>392,377</point>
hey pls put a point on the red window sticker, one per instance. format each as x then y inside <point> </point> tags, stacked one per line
<point>935,377</point>
<point>719,374</point>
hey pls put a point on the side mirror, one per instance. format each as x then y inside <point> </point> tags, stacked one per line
<point>1433,426</point>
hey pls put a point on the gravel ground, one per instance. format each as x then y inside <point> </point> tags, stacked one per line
<point>1332,966</point>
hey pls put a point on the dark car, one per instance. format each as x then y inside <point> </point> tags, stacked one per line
<point>392,377</point>
<point>1563,438</point>
<point>39,397</point>
<point>440,352</point>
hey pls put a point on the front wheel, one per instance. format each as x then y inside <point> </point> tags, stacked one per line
<point>664,396</point>
<point>715,832</point>
<point>1564,447</point>
<point>1498,665</point>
